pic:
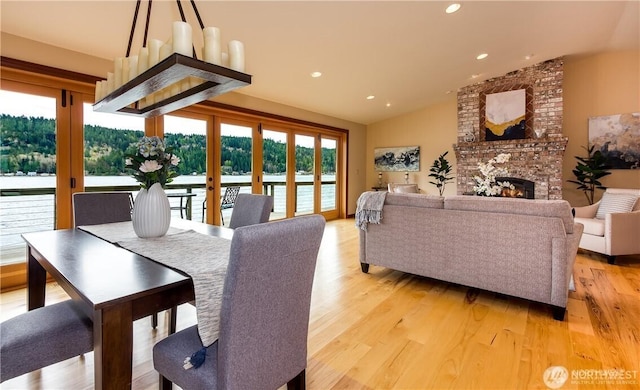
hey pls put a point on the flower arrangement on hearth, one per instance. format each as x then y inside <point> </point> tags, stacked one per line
<point>486,184</point>
<point>152,162</point>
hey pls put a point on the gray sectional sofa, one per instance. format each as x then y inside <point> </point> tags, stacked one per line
<point>518,247</point>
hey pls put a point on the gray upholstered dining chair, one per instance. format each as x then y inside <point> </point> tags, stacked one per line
<point>251,209</point>
<point>94,208</point>
<point>43,336</point>
<point>264,315</point>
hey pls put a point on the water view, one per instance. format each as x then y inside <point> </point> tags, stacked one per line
<point>35,212</point>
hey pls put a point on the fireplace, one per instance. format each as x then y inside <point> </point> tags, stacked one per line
<point>523,188</point>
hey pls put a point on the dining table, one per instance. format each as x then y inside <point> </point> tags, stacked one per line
<point>114,287</point>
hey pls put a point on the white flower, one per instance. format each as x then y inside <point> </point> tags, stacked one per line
<point>487,184</point>
<point>150,166</point>
<point>175,160</point>
<point>128,161</point>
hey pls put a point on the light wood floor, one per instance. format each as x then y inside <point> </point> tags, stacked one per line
<point>390,330</point>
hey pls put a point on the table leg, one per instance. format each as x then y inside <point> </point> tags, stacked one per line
<point>36,280</point>
<point>113,347</point>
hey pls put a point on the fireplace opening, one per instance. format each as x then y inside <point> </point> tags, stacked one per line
<point>523,188</point>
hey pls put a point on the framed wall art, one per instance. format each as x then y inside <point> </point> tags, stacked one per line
<point>617,137</point>
<point>506,113</point>
<point>397,159</point>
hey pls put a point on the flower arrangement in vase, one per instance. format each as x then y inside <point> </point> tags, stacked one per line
<point>486,185</point>
<point>154,165</point>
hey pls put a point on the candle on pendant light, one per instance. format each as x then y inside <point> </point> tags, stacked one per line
<point>143,60</point>
<point>236,56</point>
<point>117,73</point>
<point>165,51</point>
<point>154,51</point>
<point>133,67</point>
<point>212,50</point>
<point>182,39</point>
<point>225,59</point>
<point>406,177</point>
<point>110,82</point>
<point>98,95</point>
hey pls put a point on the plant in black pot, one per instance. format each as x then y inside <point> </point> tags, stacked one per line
<point>440,171</point>
<point>589,171</point>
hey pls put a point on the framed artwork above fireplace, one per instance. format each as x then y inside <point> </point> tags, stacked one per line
<point>506,113</point>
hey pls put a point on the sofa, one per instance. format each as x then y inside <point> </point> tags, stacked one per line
<point>519,247</point>
<point>612,224</point>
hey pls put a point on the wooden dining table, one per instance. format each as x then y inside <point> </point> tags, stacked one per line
<point>114,286</point>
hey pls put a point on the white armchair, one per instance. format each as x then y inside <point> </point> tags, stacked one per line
<point>612,225</point>
<point>404,188</point>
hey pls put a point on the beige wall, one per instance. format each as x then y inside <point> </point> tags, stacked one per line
<point>39,53</point>
<point>603,84</point>
<point>434,129</point>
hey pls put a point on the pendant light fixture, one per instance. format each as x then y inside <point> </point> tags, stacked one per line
<point>167,76</point>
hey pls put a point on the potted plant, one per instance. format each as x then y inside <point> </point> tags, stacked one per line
<point>440,171</point>
<point>588,171</point>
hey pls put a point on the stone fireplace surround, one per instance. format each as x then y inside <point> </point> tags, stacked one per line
<point>534,158</point>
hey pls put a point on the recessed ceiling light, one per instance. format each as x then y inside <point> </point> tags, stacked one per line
<point>449,92</point>
<point>316,74</point>
<point>388,104</point>
<point>475,76</point>
<point>482,56</point>
<point>528,56</point>
<point>370,97</point>
<point>452,8</point>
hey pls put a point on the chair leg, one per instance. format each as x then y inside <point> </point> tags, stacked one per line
<point>165,384</point>
<point>222,216</point>
<point>298,383</point>
<point>154,320</point>
<point>173,317</point>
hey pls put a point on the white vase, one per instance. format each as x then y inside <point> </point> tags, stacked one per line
<point>151,212</point>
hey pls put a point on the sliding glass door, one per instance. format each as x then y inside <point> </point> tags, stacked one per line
<point>28,165</point>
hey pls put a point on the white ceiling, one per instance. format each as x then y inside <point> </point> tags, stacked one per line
<point>406,53</point>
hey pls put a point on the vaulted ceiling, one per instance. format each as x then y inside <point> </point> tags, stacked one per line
<point>408,54</point>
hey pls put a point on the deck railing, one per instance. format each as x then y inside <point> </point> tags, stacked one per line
<point>26,210</point>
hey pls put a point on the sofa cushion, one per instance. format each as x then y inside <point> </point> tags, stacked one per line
<point>540,207</point>
<point>615,203</point>
<point>592,226</point>
<point>414,200</point>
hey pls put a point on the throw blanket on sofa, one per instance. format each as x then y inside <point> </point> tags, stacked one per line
<point>369,208</point>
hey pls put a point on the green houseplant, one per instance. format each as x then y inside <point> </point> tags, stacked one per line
<point>588,171</point>
<point>440,171</point>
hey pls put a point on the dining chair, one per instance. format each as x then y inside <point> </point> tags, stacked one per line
<point>264,314</point>
<point>251,209</point>
<point>95,208</point>
<point>43,336</point>
<point>227,201</point>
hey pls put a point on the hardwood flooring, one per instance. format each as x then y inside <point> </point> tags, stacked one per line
<point>391,330</point>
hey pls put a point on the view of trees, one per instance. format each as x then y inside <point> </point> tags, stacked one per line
<point>28,144</point>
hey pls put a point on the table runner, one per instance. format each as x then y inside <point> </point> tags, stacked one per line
<point>204,258</point>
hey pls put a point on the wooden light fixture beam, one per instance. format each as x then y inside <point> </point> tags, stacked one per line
<point>176,67</point>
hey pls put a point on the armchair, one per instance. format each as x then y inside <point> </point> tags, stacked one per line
<point>615,232</point>
<point>403,188</point>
